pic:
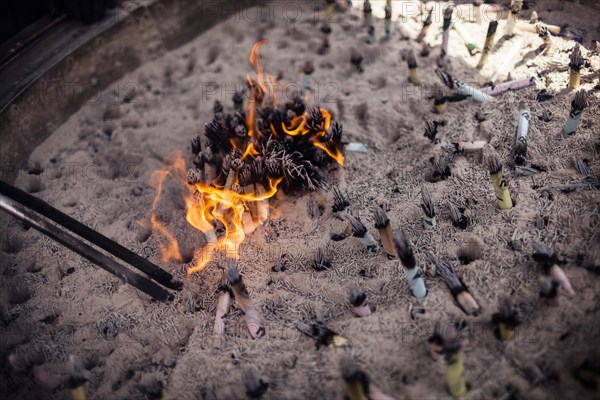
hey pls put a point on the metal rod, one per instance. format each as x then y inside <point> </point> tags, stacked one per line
<point>154,272</point>
<point>78,246</point>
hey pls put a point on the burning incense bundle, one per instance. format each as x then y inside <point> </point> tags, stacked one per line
<point>243,300</point>
<point>360,231</point>
<point>522,132</point>
<point>322,335</point>
<point>499,182</point>
<point>459,290</point>
<point>426,24</point>
<point>358,385</point>
<point>462,89</point>
<point>575,64</point>
<point>443,59</point>
<point>382,223</point>
<point>548,260</point>
<point>359,302</point>
<point>388,19</point>
<point>466,38</point>
<point>496,90</point>
<point>428,208</point>
<point>409,263</point>
<point>413,68</point>
<point>454,356</point>
<point>506,319</point>
<point>489,42</point>
<point>578,104</point>
<point>223,304</point>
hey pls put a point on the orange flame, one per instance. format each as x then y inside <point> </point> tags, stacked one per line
<point>209,207</point>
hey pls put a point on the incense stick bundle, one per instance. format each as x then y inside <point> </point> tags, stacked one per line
<point>496,90</point>
<point>322,335</point>
<point>459,290</point>
<point>513,16</point>
<point>426,24</point>
<point>542,31</point>
<point>382,223</point>
<point>454,356</point>
<point>500,186</point>
<point>359,302</point>
<point>307,70</point>
<point>431,131</point>
<point>413,68</point>
<point>428,208</point>
<point>443,59</point>
<point>578,104</point>
<point>358,385</point>
<point>243,300</point>
<point>360,231</point>
<point>210,169</point>
<point>388,19</point>
<point>440,102</point>
<point>522,132</point>
<point>77,380</point>
<point>340,202</point>
<point>466,38</point>
<point>223,304</point>
<point>321,260</point>
<point>459,220</point>
<point>489,42</point>
<point>462,89</point>
<point>436,342</point>
<point>196,145</point>
<point>238,100</point>
<point>409,263</point>
<point>506,319</point>
<point>548,260</point>
<point>508,60</point>
<point>575,64</point>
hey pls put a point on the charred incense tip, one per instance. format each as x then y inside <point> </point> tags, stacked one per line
<point>321,260</point>
<point>427,203</point>
<point>548,288</point>
<point>506,312</point>
<point>238,98</point>
<point>448,11</point>
<point>520,152</point>
<point>321,334</point>
<point>308,68</point>
<point>357,297</point>
<point>404,249</point>
<point>356,59</point>
<point>431,130</point>
<point>381,218</point>
<point>446,271</point>
<point>411,60</point>
<point>76,372</point>
<point>355,378</point>
<point>543,255</point>
<point>438,95</point>
<point>217,107</point>
<point>580,101</point>
<point>445,77</point>
<point>194,176</point>
<point>450,339</point>
<point>367,7</point>
<point>246,177</point>
<point>459,220</point>
<point>358,228</point>
<point>576,58</point>
<point>208,155</point>
<point>340,202</point>
<point>232,274</point>
<point>582,167</point>
<point>196,145</point>
<point>493,163</point>
<point>255,387</point>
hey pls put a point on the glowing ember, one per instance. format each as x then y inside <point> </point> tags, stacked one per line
<point>246,160</point>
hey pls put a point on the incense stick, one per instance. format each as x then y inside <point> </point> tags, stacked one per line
<point>521,140</point>
<point>388,19</point>
<point>506,319</point>
<point>575,64</point>
<point>466,38</point>
<point>508,60</point>
<point>413,68</point>
<point>243,300</point>
<point>443,59</point>
<point>459,290</point>
<point>455,368</point>
<point>359,302</point>
<point>518,84</point>
<point>340,202</point>
<point>500,186</point>
<point>463,89</point>
<point>321,260</point>
<point>223,304</point>
<point>382,223</point>
<point>578,104</point>
<point>409,264</point>
<point>440,102</point>
<point>428,208</point>
<point>489,42</point>
<point>307,70</point>
<point>360,231</point>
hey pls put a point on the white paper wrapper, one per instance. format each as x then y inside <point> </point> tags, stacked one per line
<point>416,282</point>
